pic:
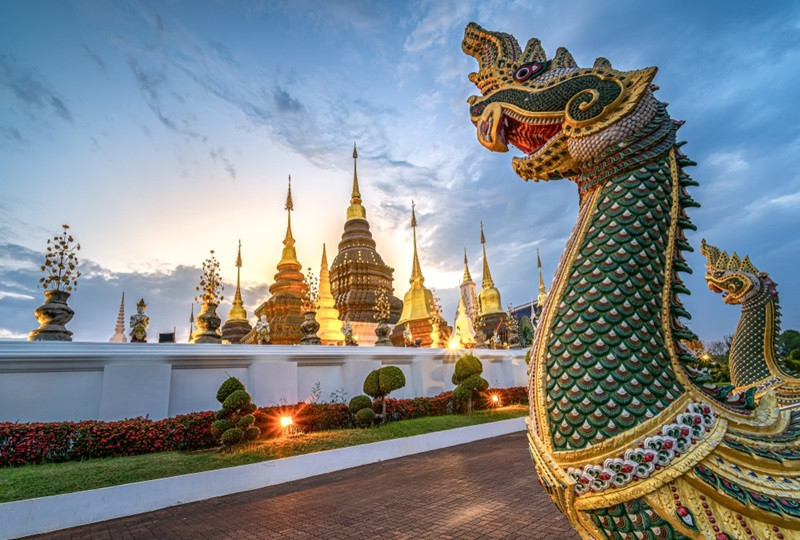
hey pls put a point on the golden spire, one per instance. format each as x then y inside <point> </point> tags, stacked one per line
<point>237,312</point>
<point>191,324</point>
<point>330,327</point>
<point>542,291</point>
<point>289,254</point>
<point>489,297</point>
<point>487,283</point>
<point>416,271</point>
<point>467,276</point>
<point>355,210</point>
<point>418,301</point>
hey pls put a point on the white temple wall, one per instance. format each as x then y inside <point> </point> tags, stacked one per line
<point>44,382</point>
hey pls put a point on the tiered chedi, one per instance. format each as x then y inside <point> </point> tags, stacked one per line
<point>492,314</point>
<point>237,326</point>
<point>284,309</point>
<point>418,303</point>
<point>358,271</point>
<point>330,326</point>
<point>464,331</point>
<point>119,330</point>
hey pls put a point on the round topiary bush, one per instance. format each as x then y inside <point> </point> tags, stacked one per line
<point>237,400</point>
<point>232,436</point>
<point>234,422</point>
<point>219,427</point>
<point>380,382</point>
<point>465,366</point>
<point>364,418</point>
<point>467,376</point>
<point>391,378</point>
<point>245,421</point>
<point>372,384</point>
<point>795,354</point>
<point>360,402</point>
<point>231,385</point>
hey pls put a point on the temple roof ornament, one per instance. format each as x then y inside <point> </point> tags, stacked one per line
<point>330,327</point>
<point>191,324</point>
<point>489,295</point>
<point>467,276</point>
<point>418,301</point>
<point>119,329</point>
<point>237,311</point>
<point>355,210</point>
<point>542,291</point>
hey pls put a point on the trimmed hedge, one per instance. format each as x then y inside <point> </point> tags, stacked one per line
<point>22,444</point>
<point>52,442</point>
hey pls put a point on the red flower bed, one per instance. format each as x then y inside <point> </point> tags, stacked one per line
<point>21,444</point>
<point>52,442</point>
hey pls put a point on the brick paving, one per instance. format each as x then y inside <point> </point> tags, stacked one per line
<point>482,490</point>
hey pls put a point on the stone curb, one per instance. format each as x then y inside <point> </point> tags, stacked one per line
<point>45,514</point>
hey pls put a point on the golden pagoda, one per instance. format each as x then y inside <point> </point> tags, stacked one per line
<point>467,302</point>
<point>284,309</point>
<point>330,326</point>
<point>237,326</point>
<point>491,310</point>
<point>358,271</point>
<point>542,291</point>
<point>418,302</point>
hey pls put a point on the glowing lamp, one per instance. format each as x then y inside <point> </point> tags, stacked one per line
<point>286,421</point>
<point>452,344</point>
<point>495,399</point>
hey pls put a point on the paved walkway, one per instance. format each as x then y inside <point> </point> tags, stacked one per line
<point>486,489</point>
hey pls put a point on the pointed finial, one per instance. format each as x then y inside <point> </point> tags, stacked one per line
<point>467,276</point>
<point>356,210</point>
<point>239,255</point>
<point>488,282</point>
<point>416,270</point>
<point>542,291</point>
<point>289,204</point>
<point>324,256</point>
<point>191,315</point>
<point>483,238</point>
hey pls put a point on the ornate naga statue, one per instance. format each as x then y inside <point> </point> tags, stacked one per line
<point>752,356</point>
<point>625,443</point>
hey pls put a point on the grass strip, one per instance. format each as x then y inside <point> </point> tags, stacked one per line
<point>29,481</point>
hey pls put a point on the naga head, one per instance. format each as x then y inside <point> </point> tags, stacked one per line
<point>736,279</point>
<point>557,114</point>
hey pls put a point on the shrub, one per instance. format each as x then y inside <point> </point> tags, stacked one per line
<point>365,417</point>
<point>231,385</point>
<point>234,421</point>
<point>232,436</point>
<point>381,382</point>
<point>360,402</point>
<point>22,444</point>
<point>795,354</point>
<point>467,376</point>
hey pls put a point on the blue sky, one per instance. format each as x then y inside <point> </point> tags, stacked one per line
<point>160,130</point>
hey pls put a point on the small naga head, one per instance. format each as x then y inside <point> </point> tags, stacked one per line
<point>736,279</point>
<point>557,114</point>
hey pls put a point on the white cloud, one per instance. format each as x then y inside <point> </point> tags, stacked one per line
<point>18,296</point>
<point>5,333</point>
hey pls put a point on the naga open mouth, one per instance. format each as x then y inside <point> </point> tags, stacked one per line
<point>498,126</point>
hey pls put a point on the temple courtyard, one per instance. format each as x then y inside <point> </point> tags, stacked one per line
<point>483,489</point>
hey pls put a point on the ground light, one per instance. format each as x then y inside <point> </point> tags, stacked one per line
<point>495,400</point>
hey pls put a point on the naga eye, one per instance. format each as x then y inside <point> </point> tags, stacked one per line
<point>526,71</point>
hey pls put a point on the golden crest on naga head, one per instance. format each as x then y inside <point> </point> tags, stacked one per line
<point>536,104</point>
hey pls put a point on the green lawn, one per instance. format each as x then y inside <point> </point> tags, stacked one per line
<point>30,481</point>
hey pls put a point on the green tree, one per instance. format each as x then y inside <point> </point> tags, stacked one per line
<point>467,376</point>
<point>788,341</point>
<point>380,382</point>
<point>234,422</point>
